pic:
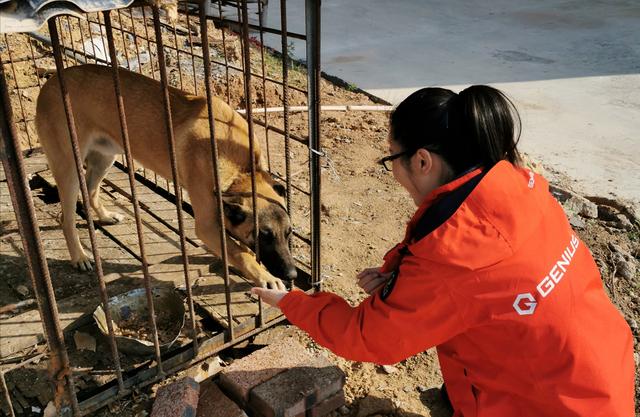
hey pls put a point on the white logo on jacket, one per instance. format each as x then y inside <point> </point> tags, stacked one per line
<point>527,307</point>
<point>549,282</point>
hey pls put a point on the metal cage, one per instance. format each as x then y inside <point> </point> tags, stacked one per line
<point>215,45</point>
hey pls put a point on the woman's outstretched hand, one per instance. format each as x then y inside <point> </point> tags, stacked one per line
<point>371,279</point>
<point>271,297</point>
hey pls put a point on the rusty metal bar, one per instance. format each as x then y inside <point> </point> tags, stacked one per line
<point>132,183</point>
<point>7,397</point>
<point>15,80</point>
<point>210,348</point>
<point>246,54</point>
<point>146,31</point>
<point>233,23</point>
<point>153,70</point>
<point>100,25</point>
<point>204,33</point>
<point>312,15</point>
<point>193,58</point>
<point>175,39</point>
<point>84,47</point>
<point>66,99</point>
<point>285,102</point>
<point>264,85</point>
<point>35,69</point>
<point>135,40</point>
<point>174,170</point>
<point>224,48</point>
<point>233,67</point>
<point>70,36</point>
<point>62,42</point>
<point>13,164</point>
<point>67,51</point>
<point>25,59</point>
<point>124,41</point>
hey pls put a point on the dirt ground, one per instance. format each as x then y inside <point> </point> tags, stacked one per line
<point>364,213</point>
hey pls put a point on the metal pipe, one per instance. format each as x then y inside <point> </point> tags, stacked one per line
<point>132,184</point>
<point>204,32</point>
<point>312,16</point>
<point>246,54</point>
<point>66,100</point>
<point>13,164</point>
<point>174,170</point>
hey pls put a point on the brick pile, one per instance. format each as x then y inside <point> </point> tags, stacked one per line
<point>280,380</point>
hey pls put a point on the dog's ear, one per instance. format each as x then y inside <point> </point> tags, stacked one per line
<point>280,189</point>
<point>234,213</point>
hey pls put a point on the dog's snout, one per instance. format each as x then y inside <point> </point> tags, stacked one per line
<point>292,273</point>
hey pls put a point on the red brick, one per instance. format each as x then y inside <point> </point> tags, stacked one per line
<point>325,407</point>
<point>291,393</point>
<point>243,375</point>
<point>213,403</point>
<point>178,399</point>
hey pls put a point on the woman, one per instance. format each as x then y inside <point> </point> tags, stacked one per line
<point>489,272</point>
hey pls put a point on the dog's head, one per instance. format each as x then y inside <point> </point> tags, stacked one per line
<point>273,222</point>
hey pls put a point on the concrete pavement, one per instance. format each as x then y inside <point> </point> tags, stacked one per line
<point>573,68</point>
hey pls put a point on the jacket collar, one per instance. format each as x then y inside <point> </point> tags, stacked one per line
<point>394,256</point>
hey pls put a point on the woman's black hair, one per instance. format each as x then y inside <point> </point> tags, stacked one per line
<point>478,127</point>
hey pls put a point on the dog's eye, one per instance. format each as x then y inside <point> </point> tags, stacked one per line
<point>266,235</point>
<point>289,232</point>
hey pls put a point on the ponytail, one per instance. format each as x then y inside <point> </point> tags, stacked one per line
<point>478,127</point>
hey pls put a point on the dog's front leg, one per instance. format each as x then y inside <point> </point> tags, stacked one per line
<point>244,260</point>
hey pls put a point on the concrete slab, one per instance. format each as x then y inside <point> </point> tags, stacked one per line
<point>572,68</point>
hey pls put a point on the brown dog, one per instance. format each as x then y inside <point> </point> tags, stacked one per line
<point>93,99</point>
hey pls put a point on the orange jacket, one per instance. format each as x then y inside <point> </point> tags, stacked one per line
<point>508,294</point>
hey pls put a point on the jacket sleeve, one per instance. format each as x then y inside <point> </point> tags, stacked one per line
<point>418,313</point>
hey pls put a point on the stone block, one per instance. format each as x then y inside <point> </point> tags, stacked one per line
<point>238,379</point>
<point>178,399</point>
<point>297,390</point>
<point>214,403</point>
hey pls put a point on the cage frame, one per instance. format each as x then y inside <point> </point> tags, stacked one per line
<point>13,160</point>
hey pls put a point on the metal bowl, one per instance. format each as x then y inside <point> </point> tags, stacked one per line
<point>168,305</point>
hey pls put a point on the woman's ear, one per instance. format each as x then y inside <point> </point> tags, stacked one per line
<point>423,161</point>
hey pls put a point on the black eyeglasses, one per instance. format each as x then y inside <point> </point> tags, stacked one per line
<point>385,161</point>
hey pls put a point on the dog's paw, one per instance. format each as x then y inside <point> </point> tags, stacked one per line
<point>83,263</point>
<point>111,218</point>
<point>273,283</point>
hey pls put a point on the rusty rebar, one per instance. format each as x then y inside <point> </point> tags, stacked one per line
<point>13,164</point>
<point>264,85</point>
<point>66,100</point>
<point>285,102</point>
<point>193,58</point>
<point>15,80</point>
<point>174,169</point>
<point>224,48</point>
<point>132,184</point>
<point>246,55</point>
<point>204,33</point>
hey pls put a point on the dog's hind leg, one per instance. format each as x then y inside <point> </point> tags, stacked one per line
<point>97,166</point>
<point>68,189</point>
